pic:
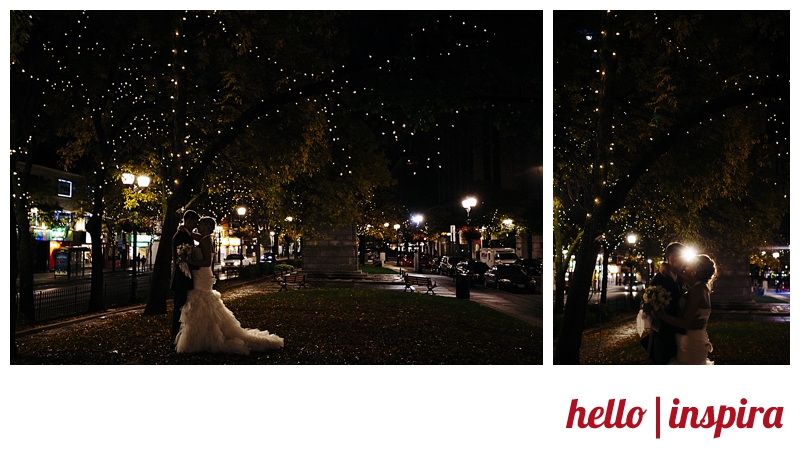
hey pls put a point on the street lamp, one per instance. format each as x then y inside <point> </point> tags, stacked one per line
<point>631,241</point>
<point>397,234</point>
<point>218,229</point>
<point>417,219</point>
<point>242,210</point>
<point>468,203</point>
<point>140,184</point>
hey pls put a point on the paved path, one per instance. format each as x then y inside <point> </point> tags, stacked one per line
<point>526,307</point>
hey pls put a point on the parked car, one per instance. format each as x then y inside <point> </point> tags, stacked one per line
<point>407,261</point>
<point>474,269</point>
<point>532,267</point>
<point>447,266</point>
<point>434,265</point>
<point>509,277</point>
<point>268,258</point>
<point>637,286</point>
<point>233,261</point>
<point>425,261</point>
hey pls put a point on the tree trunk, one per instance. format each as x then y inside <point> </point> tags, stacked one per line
<point>95,225</point>
<point>569,339</point>
<point>95,228</point>
<point>160,280</point>
<point>159,286</point>
<point>14,273</point>
<point>571,334</point>
<point>604,278</point>
<point>24,253</point>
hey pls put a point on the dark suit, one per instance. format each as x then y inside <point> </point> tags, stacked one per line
<point>181,284</point>
<point>662,334</point>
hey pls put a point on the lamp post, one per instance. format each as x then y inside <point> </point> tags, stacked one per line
<point>417,219</point>
<point>468,204</point>
<point>384,246</point>
<point>136,184</point>
<point>288,219</point>
<point>397,234</point>
<point>241,211</point>
<point>218,229</point>
<point>631,242</point>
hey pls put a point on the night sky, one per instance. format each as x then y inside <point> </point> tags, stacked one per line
<point>493,148</point>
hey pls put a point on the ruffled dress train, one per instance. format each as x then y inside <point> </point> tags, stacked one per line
<point>207,325</point>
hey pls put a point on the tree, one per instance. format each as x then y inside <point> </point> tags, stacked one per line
<point>27,122</point>
<point>666,98</point>
<point>196,96</point>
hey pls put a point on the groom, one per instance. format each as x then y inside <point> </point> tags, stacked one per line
<point>661,341</point>
<point>181,284</point>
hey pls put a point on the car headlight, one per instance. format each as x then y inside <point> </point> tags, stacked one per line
<point>505,280</point>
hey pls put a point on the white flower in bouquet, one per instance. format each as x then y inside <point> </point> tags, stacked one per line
<point>184,252</point>
<point>655,299</point>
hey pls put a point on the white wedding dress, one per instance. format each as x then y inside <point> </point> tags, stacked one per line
<point>207,325</point>
<point>694,346</point>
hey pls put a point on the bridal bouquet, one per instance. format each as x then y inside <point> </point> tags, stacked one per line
<point>654,301</point>
<point>184,253</point>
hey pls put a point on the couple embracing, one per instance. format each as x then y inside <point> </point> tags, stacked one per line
<point>678,332</point>
<point>200,320</point>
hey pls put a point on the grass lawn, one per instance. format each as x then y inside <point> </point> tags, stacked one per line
<point>366,268</point>
<point>735,343</point>
<point>331,326</point>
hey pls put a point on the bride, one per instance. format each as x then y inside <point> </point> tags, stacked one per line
<point>694,346</point>
<point>206,323</point>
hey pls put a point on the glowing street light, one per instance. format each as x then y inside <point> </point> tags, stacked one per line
<point>468,203</point>
<point>140,184</point>
<point>631,241</point>
<point>241,211</point>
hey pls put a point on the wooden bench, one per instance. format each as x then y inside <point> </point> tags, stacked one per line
<point>411,280</point>
<point>297,278</point>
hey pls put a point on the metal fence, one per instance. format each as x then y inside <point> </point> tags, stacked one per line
<point>72,300</point>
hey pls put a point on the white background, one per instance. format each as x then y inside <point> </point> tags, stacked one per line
<point>371,409</point>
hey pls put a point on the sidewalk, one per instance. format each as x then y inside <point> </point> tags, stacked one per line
<point>525,307</point>
<point>48,279</point>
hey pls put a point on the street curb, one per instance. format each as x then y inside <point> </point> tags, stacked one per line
<point>78,320</point>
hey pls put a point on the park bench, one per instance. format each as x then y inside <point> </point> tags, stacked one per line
<point>296,278</point>
<point>412,280</point>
